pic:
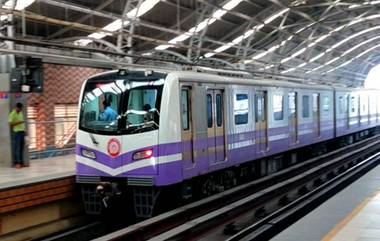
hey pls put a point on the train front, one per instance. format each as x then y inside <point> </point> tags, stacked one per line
<point>117,134</point>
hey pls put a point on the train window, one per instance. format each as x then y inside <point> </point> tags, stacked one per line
<point>185,109</point>
<point>352,104</point>
<point>141,100</point>
<point>326,103</point>
<point>219,110</point>
<point>209,111</point>
<point>115,106</point>
<point>278,107</point>
<point>305,106</point>
<point>241,109</point>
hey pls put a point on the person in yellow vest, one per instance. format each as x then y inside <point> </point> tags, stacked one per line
<point>17,125</point>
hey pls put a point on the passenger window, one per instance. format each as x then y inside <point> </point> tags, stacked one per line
<point>326,103</point>
<point>185,109</point>
<point>209,111</point>
<point>219,112</point>
<point>305,106</point>
<point>278,103</point>
<point>353,104</point>
<point>241,109</point>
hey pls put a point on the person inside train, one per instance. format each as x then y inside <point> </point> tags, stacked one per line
<point>149,115</point>
<point>108,113</point>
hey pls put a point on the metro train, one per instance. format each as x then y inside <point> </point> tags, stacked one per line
<point>201,131</point>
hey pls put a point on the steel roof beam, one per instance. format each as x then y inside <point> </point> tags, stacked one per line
<point>80,20</point>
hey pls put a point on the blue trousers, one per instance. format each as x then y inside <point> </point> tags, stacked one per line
<point>18,142</point>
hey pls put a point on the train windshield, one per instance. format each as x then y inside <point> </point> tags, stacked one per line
<point>121,106</point>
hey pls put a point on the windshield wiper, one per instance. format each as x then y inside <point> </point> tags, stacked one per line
<point>93,139</point>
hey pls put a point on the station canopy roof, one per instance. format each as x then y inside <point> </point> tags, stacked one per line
<point>324,41</point>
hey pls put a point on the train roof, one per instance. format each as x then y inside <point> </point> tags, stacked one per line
<point>229,77</point>
<point>217,79</point>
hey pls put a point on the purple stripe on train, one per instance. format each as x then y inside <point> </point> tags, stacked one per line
<point>175,148</point>
<point>173,172</point>
<point>202,164</point>
<point>168,173</point>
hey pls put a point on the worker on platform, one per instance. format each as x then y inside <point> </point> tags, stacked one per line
<point>108,113</point>
<point>17,125</point>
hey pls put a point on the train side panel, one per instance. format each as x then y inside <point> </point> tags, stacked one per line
<point>278,118</point>
<point>341,113</point>
<point>364,109</point>
<point>241,129</point>
<point>170,145</point>
<point>326,116</point>
<point>372,108</point>
<point>305,118</point>
<point>353,112</point>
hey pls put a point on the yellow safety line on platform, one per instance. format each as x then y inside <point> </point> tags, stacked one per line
<point>351,216</point>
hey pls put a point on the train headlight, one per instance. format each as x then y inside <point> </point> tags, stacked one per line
<point>143,154</point>
<point>89,154</point>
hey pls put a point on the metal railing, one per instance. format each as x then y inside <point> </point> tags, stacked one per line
<point>51,137</point>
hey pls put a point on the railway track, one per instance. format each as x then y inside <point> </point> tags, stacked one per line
<point>79,233</point>
<point>277,221</point>
<point>253,202</point>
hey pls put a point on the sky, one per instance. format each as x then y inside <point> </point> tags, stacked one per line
<point>373,78</point>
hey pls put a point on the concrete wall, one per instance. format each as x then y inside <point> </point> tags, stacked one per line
<point>5,140</point>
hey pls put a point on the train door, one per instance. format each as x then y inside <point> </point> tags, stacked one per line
<point>261,120</point>
<point>293,119</point>
<point>187,128</point>
<point>215,126</point>
<point>317,114</point>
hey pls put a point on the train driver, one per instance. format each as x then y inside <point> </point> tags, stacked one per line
<point>149,115</point>
<point>108,113</point>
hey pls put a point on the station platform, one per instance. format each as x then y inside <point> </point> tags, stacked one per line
<point>40,170</point>
<point>351,215</point>
<point>34,199</point>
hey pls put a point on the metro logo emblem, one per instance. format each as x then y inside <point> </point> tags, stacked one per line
<point>113,147</point>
